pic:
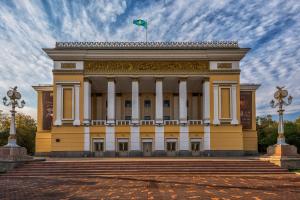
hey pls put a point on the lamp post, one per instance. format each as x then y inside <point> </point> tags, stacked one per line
<point>13,101</point>
<point>279,102</point>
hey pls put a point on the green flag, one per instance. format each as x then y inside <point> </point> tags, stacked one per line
<point>140,22</point>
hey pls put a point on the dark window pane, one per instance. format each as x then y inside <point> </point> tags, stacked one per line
<point>166,103</point>
<point>128,117</point>
<point>167,118</point>
<point>147,103</point>
<point>147,118</point>
<point>127,104</point>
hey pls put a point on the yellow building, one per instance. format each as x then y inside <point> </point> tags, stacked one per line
<point>146,99</point>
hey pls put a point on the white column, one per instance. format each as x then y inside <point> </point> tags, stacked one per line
<point>76,121</point>
<point>135,144</point>
<point>87,103</point>
<point>135,102</point>
<point>206,114</point>
<point>206,102</point>
<point>182,101</point>
<point>216,105</point>
<point>111,102</point>
<point>87,140</point>
<point>234,105</point>
<point>58,105</point>
<point>184,138</point>
<point>159,138</point>
<point>159,101</point>
<point>110,138</point>
<point>135,129</point>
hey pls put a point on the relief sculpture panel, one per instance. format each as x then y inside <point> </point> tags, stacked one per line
<point>145,67</point>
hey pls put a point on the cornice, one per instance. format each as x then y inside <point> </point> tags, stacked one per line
<point>43,87</point>
<point>158,54</point>
<point>249,86</point>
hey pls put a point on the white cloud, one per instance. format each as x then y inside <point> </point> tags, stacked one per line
<point>271,28</point>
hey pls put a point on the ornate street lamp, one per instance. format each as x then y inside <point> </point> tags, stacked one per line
<point>13,101</point>
<point>279,102</point>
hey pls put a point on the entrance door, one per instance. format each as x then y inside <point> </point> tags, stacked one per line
<point>147,148</point>
<point>195,148</point>
<point>171,148</point>
<point>98,147</point>
<point>123,148</point>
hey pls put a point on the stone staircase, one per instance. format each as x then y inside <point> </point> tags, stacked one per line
<point>144,167</point>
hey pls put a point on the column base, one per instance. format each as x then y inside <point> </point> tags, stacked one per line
<point>184,153</point>
<point>159,153</point>
<point>135,153</point>
<point>109,154</point>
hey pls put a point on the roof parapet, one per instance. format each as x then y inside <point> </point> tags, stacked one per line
<point>147,45</point>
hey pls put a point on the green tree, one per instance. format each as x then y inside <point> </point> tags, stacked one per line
<point>267,131</point>
<point>26,129</point>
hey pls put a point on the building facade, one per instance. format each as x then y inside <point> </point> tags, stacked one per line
<point>146,99</point>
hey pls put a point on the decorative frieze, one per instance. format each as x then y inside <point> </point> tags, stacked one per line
<point>145,67</point>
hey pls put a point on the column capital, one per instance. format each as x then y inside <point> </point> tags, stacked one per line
<point>158,79</point>
<point>86,79</point>
<point>111,79</point>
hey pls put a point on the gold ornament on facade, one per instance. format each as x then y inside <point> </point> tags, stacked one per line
<point>129,67</point>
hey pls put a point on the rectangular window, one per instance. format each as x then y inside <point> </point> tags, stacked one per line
<point>225,103</point>
<point>147,118</point>
<point>67,103</point>
<point>127,104</point>
<point>171,146</point>
<point>147,103</point>
<point>167,118</point>
<point>195,146</point>
<point>98,146</point>
<point>127,117</point>
<point>166,103</point>
<point>123,146</point>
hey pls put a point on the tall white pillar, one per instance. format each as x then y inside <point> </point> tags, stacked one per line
<point>76,121</point>
<point>111,101</point>
<point>87,103</point>
<point>182,101</point>
<point>206,102</point>
<point>135,113</point>
<point>58,105</point>
<point>234,105</point>
<point>159,101</point>
<point>216,105</point>
<point>206,114</point>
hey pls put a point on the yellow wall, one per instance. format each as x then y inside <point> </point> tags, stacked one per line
<point>40,111</point>
<point>250,140</point>
<point>225,103</point>
<point>226,137</point>
<point>43,142</point>
<point>71,138</point>
<point>68,103</point>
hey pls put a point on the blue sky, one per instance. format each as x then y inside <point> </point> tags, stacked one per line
<point>270,28</point>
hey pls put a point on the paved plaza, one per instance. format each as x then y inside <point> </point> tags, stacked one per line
<point>149,179</point>
<point>152,187</point>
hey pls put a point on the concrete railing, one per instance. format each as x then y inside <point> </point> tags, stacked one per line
<point>171,122</point>
<point>195,122</point>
